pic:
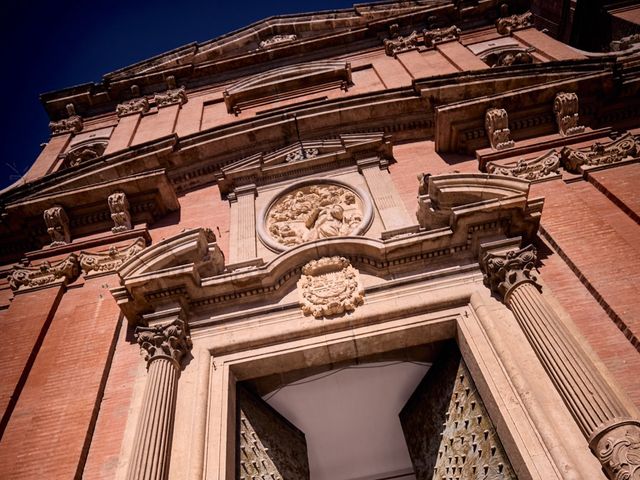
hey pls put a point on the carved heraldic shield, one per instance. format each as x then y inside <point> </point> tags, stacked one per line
<point>329,286</point>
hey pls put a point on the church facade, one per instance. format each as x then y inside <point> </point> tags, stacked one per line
<point>397,241</point>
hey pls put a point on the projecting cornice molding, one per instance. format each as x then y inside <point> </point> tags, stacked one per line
<point>303,158</point>
<point>188,269</point>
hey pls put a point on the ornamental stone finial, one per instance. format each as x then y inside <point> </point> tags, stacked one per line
<point>503,272</point>
<point>170,341</point>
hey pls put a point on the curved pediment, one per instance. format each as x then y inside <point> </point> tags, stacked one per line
<point>286,80</point>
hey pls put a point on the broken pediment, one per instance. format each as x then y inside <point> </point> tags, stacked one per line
<point>286,80</point>
<point>301,157</point>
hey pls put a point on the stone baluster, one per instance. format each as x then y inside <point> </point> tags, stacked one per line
<point>613,436</point>
<point>164,345</point>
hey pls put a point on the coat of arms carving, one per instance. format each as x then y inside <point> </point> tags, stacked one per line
<point>329,286</point>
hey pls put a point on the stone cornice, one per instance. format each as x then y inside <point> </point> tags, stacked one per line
<point>45,274</point>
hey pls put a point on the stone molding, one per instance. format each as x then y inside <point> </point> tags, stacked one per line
<point>541,167</point>
<point>170,341</point>
<point>64,272</point>
<point>110,261</point>
<point>504,272</point>
<point>624,148</point>
<point>507,25</point>
<point>131,107</point>
<point>57,224</point>
<point>497,126</point>
<point>329,286</point>
<point>119,208</point>
<point>177,96</point>
<point>277,40</point>
<point>565,107</point>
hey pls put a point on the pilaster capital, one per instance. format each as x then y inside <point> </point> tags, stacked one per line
<point>505,271</point>
<point>177,96</point>
<point>169,341</point>
<point>137,105</point>
<point>617,446</point>
<point>45,274</point>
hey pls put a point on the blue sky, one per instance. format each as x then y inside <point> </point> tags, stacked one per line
<point>50,45</point>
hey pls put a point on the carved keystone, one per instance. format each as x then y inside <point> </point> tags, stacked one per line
<point>496,123</point>
<point>565,106</point>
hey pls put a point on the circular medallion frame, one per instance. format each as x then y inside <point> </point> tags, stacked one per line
<point>365,201</point>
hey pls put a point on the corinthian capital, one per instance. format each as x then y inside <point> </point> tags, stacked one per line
<point>617,446</point>
<point>169,341</point>
<point>504,272</point>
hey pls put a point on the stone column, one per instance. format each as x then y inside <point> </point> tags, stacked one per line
<point>164,346</point>
<point>242,244</point>
<point>613,436</point>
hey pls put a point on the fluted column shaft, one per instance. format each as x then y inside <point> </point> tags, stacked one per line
<point>165,346</point>
<point>613,436</point>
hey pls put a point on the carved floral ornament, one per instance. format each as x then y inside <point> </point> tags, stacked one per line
<point>109,261</point>
<point>506,25</point>
<point>505,271</point>
<point>65,271</point>
<point>329,286</point>
<point>171,342</point>
<point>565,106</point>
<point>541,167</point>
<point>618,449</point>
<point>497,127</point>
<point>314,211</point>
<point>278,39</point>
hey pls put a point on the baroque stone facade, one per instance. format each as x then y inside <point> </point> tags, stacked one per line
<point>443,186</point>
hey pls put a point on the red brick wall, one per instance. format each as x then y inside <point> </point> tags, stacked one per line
<point>48,433</point>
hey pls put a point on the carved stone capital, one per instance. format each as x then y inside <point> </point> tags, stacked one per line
<point>497,126</point>
<point>111,260</point>
<point>440,35</point>
<point>536,169</point>
<point>565,106</point>
<point>506,25</point>
<point>617,446</point>
<point>23,278</point>
<point>277,39</point>
<point>137,105</point>
<point>57,225</point>
<point>73,124</point>
<point>177,96</point>
<point>119,207</point>
<point>624,148</point>
<point>329,286</point>
<point>170,341</point>
<point>503,272</point>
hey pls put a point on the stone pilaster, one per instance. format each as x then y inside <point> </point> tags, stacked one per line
<point>242,245</point>
<point>604,420</point>
<point>164,346</point>
<point>386,198</point>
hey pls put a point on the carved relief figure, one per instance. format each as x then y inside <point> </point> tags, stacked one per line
<point>314,212</point>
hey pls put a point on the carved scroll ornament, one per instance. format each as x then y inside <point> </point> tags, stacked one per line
<point>314,212</point>
<point>57,225</point>
<point>506,25</point>
<point>73,124</point>
<point>399,44</point>
<point>111,260</point>
<point>329,286</point>
<point>618,449</point>
<point>176,96</point>
<point>565,106</point>
<point>170,342</point>
<point>277,39</point>
<point>428,38</point>
<point>538,168</point>
<point>137,105</point>
<point>624,148</point>
<point>440,35</point>
<point>497,127</point>
<point>44,274</point>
